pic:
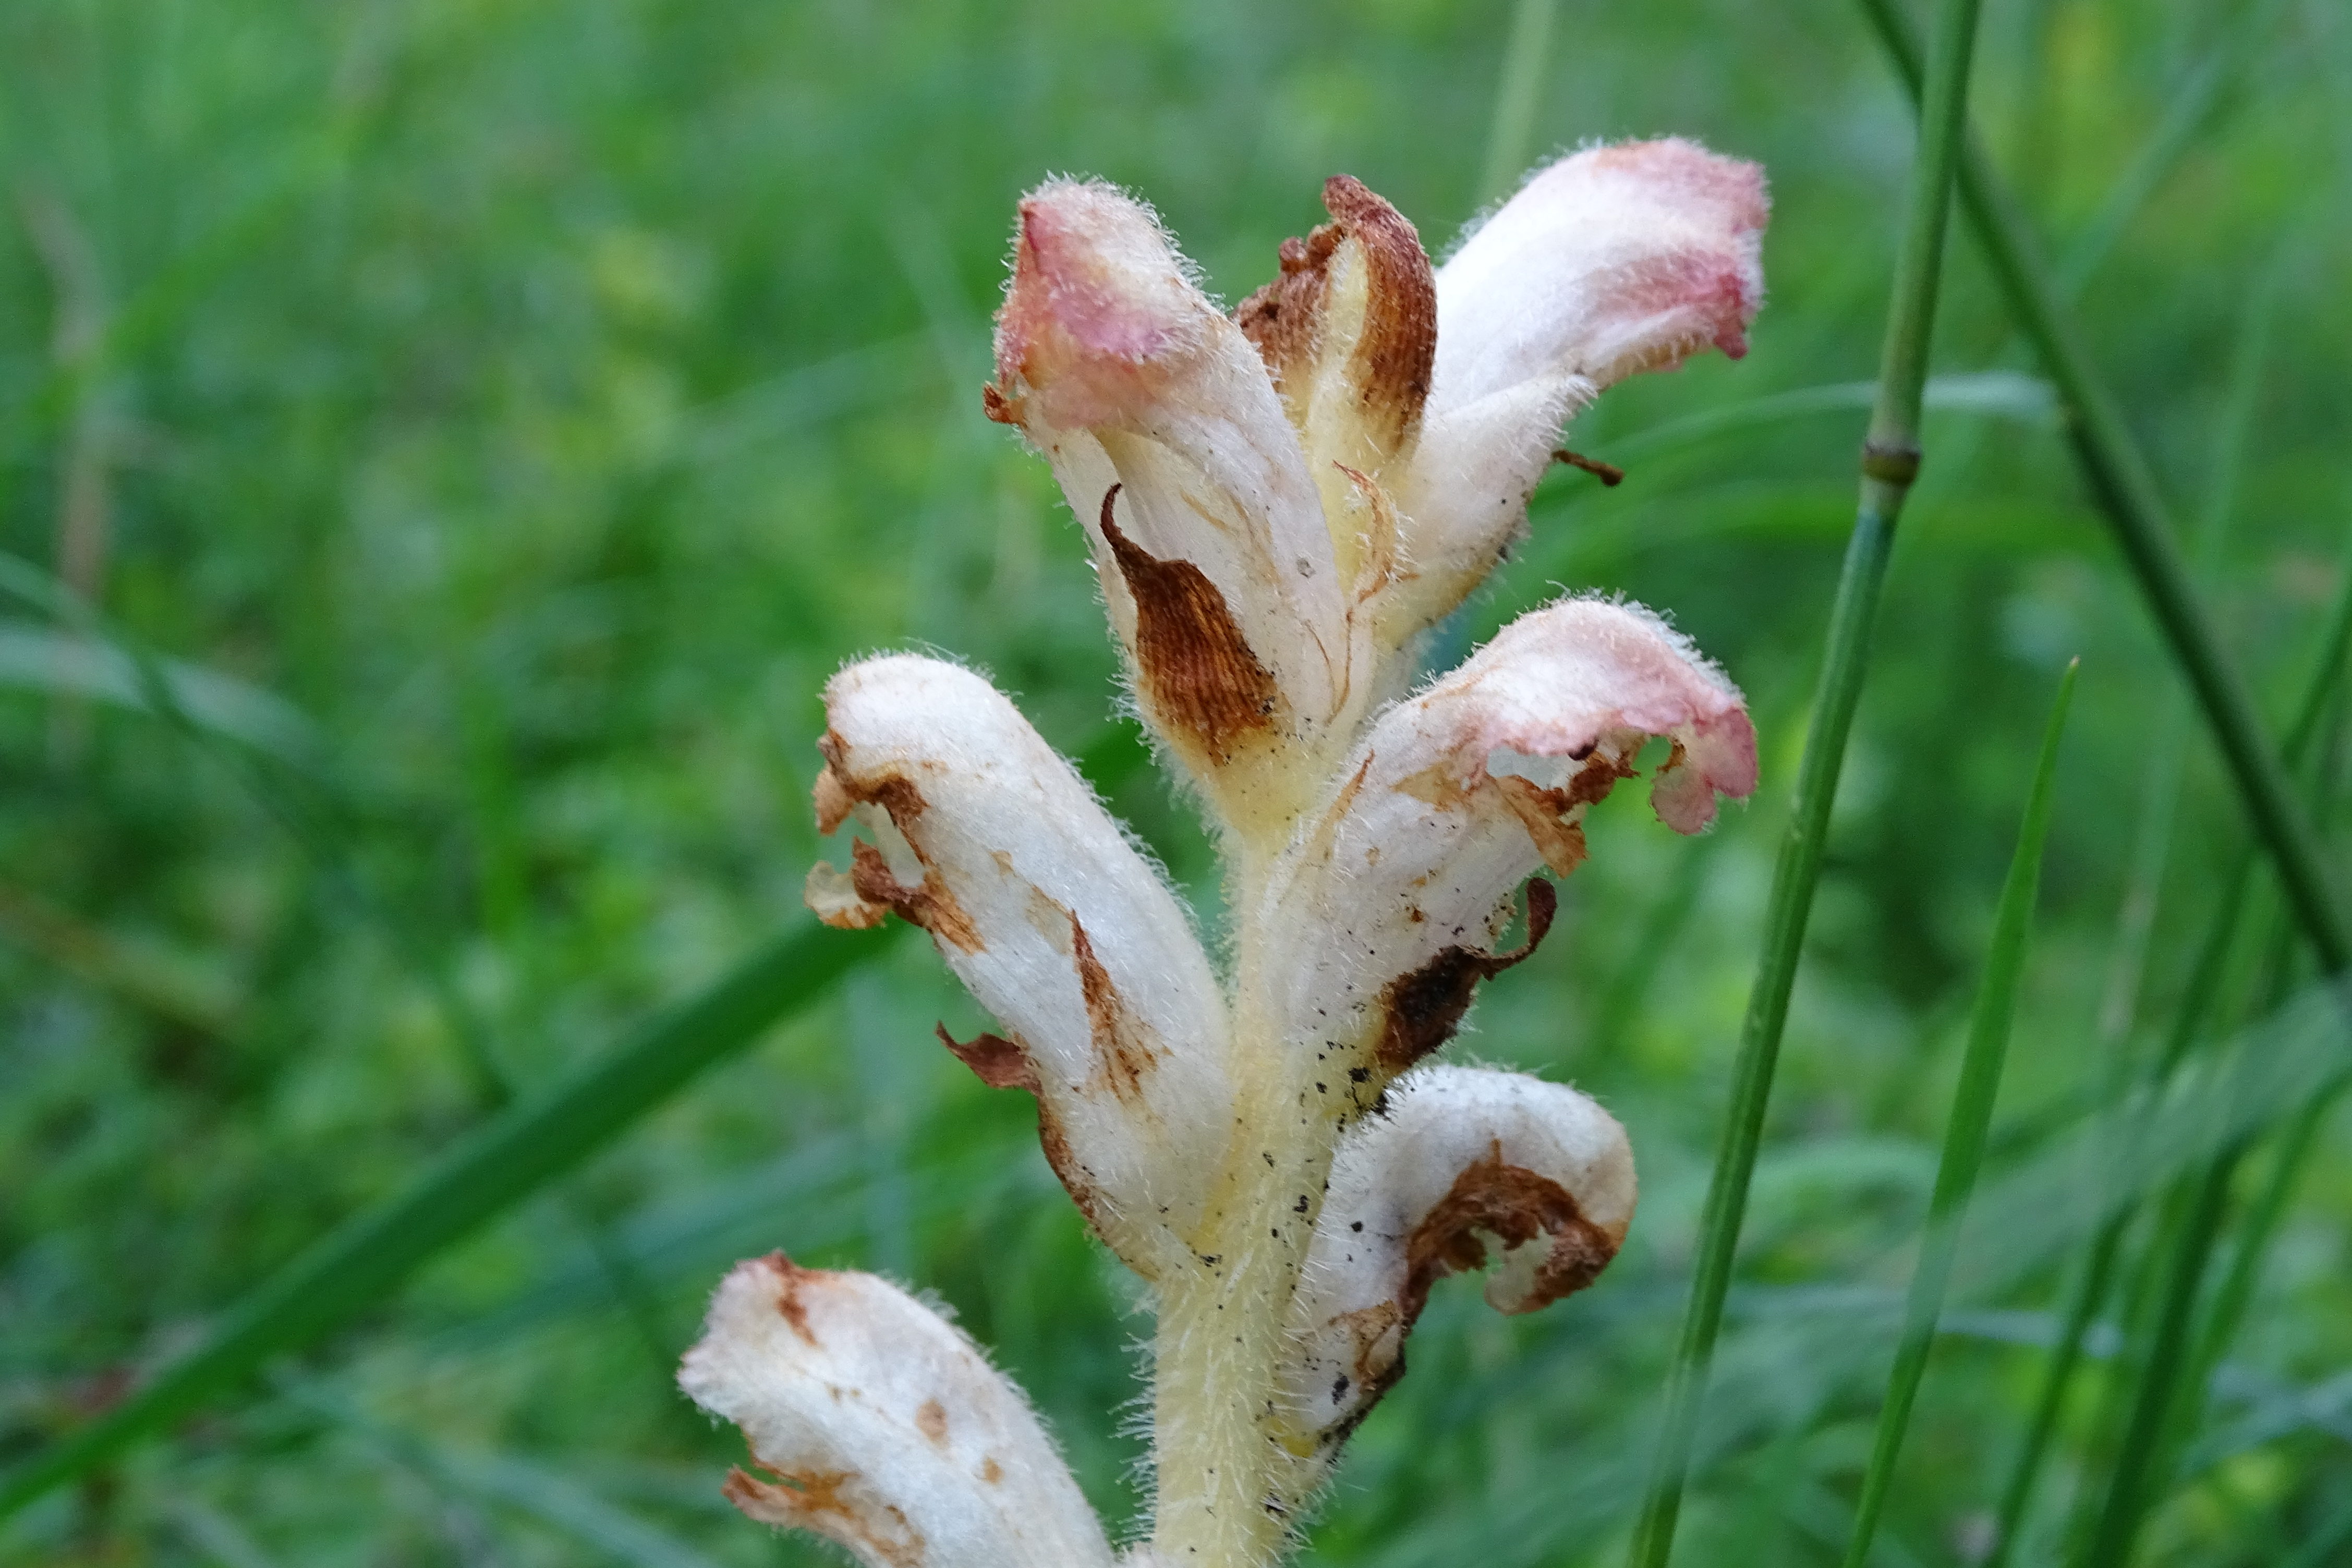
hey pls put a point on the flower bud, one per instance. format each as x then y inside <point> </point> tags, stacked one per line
<point>990,841</point>
<point>1390,900</point>
<point>883,1428</point>
<point>1613,261</point>
<point>1125,375</point>
<point>1459,1157</point>
<point>1349,332</point>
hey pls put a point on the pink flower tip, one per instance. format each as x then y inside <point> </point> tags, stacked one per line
<point>1097,295</point>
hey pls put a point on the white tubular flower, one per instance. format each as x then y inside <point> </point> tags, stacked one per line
<point>1610,262</point>
<point>1214,562</point>
<point>987,840</point>
<point>1460,1157</point>
<point>1388,905</point>
<point>883,1426</point>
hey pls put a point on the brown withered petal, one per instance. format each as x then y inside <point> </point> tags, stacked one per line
<point>974,829</point>
<point>1421,1009</point>
<point>1458,1155</point>
<point>1198,673</point>
<point>878,1425</point>
<point>1372,340</point>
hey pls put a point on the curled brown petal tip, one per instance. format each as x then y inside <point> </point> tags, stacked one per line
<point>1394,354</point>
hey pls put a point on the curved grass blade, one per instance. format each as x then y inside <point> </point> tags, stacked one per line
<point>1965,1133</point>
<point>2204,988</point>
<point>2123,485</point>
<point>506,1160</point>
<point>1994,394</point>
<point>34,658</point>
<point>1890,462</point>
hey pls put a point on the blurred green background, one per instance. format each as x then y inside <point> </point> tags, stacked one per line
<point>510,412</point>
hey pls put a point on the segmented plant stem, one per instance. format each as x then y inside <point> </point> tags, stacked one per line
<point>2124,486</point>
<point>1889,465</point>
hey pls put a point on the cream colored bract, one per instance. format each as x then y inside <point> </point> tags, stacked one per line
<point>1281,502</point>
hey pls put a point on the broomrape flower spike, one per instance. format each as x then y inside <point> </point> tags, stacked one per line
<point>1280,502</point>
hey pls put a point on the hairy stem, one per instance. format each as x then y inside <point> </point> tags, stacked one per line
<point>1220,1503</point>
<point>1225,1493</point>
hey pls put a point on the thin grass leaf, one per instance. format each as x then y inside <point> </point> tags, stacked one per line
<point>1890,462</point>
<point>518,1486</point>
<point>2269,1411</point>
<point>2262,1217</point>
<point>354,1266</point>
<point>1510,140</point>
<point>1965,1133</point>
<point>2204,988</point>
<point>37,659</point>
<point>2189,111</point>
<point>2124,486</point>
<point>2130,1486</point>
<point>2169,1394</point>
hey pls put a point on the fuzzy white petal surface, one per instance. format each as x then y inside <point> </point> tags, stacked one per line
<point>1057,926</point>
<point>882,1427</point>
<point>1459,794</point>
<point>1122,371</point>
<point>1460,1157</point>
<point>1611,261</point>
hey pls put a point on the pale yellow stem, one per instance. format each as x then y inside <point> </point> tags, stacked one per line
<point>1225,1495</point>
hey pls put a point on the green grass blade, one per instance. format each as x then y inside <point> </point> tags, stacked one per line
<point>2262,1217</point>
<point>1510,141</point>
<point>1890,462</point>
<point>2125,488</point>
<point>2191,109</point>
<point>1965,1133</point>
<point>2090,1295</point>
<point>506,1160</point>
<point>2128,1487</point>
<point>2171,1392</point>
<point>2204,988</point>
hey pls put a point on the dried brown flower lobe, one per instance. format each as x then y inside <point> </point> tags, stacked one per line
<point>1375,334</point>
<point>1198,673</point>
